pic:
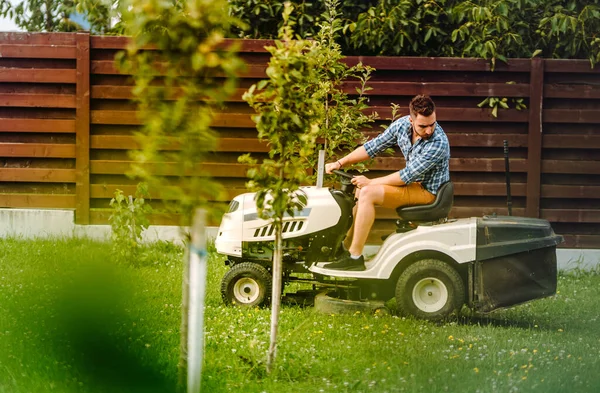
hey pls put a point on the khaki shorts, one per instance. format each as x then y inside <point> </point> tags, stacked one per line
<point>409,195</point>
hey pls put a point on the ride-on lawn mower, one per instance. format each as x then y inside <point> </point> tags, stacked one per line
<point>430,264</point>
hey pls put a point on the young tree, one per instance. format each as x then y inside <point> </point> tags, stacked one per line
<point>290,107</point>
<point>344,116</point>
<point>183,72</point>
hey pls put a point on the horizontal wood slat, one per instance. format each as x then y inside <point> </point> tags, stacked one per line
<point>571,215</point>
<point>42,175</point>
<point>22,38</point>
<point>570,192</point>
<point>107,191</point>
<point>38,51</point>
<point>571,91</point>
<point>440,89</point>
<point>38,100</point>
<point>231,120</point>
<point>580,241</point>
<point>488,189</point>
<point>570,141</point>
<point>37,150</point>
<point>570,66</point>
<point>111,92</point>
<point>37,75</point>
<point>571,116</point>
<point>126,142</point>
<point>245,46</point>
<point>570,167</point>
<point>38,201</point>
<point>169,169</point>
<point>438,64</point>
<point>108,67</point>
<point>105,67</point>
<point>37,125</point>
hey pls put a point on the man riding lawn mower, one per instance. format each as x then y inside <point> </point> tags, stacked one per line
<point>431,265</point>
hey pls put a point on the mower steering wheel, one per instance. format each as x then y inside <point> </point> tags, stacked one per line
<point>342,174</point>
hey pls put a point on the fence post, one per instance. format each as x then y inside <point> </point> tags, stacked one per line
<point>82,131</point>
<point>534,141</point>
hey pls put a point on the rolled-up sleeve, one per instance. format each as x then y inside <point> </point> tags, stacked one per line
<point>432,154</point>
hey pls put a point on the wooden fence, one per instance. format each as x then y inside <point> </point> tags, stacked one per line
<point>66,124</point>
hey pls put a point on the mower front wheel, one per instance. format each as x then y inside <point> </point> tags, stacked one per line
<point>430,289</point>
<point>246,284</point>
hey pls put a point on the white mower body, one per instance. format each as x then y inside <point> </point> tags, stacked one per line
<point>456,238</point>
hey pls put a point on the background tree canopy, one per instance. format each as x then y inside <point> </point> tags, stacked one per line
<point>491,29</point>
<point>103,16</point>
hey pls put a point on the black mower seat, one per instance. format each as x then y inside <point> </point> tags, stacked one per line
<point>435,211</point>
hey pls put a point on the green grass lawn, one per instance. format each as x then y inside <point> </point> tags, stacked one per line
<point>72,320</point>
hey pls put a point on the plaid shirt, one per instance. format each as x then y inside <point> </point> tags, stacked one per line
<point>426,160</point>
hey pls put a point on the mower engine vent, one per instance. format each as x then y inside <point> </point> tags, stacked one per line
<point>288,226</point>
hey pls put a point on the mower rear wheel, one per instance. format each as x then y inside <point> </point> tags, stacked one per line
<point>430,289</point>
<point>246,284</point>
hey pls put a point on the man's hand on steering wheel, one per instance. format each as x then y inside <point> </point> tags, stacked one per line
<point>332,166</point>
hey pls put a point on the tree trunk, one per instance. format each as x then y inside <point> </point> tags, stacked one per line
<point>196,295</point>
<point>183,334</point>
<point>275,297</point>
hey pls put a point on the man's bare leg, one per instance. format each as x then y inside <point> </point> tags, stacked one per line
<point>370,196</point>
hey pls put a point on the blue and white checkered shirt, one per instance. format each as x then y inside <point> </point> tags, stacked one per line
<point>427,161</point>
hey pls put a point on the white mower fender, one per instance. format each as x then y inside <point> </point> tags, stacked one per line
<point>456,238</point>
<point>448,239</point>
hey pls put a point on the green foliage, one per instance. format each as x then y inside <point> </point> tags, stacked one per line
<point>344,116</point>
<point>259,15</point>
<point>399,27</point>
<point>490,29</point>
<point>503,103</point>
<point>178,87</point>
<point>290,107</point>
<point>100,14</point>
<point>129,218</point>
<point>263,17</point>
<point>569,29</point>
<point>54,16</point>
<point>40,15</point>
